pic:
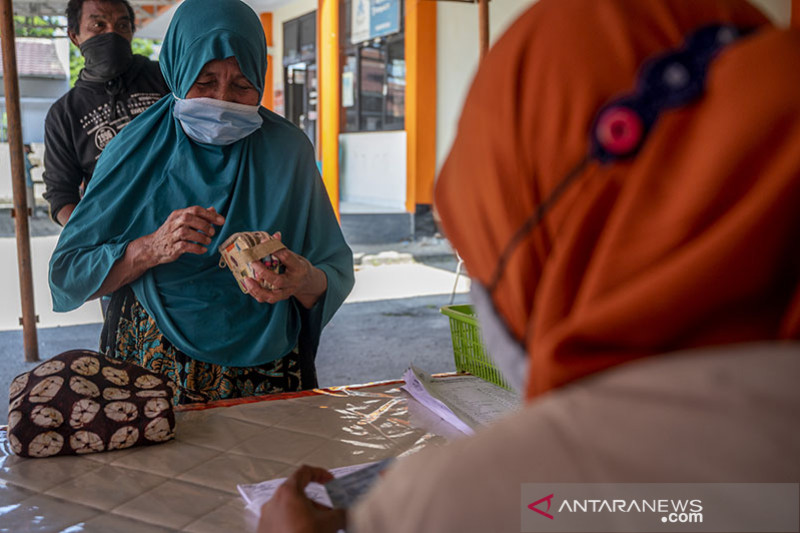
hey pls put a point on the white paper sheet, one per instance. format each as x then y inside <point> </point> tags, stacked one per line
<point>465,402</point>
<point>257,494</point>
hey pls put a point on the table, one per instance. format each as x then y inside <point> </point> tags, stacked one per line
<point>189,484</point>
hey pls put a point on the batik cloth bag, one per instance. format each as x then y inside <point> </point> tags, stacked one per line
<point>81,402</point>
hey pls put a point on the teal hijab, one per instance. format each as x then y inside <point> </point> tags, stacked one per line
<point>267,181</point>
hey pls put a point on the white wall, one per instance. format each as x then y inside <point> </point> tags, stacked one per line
<point>62,51</point>
<point>33,111</point>
<point>36,97</point>
<point>52,88</point>
<point>280,15</point>
<point>457,52</point>
<point>373,171</point>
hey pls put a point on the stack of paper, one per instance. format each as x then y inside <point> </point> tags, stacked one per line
<point>464,402</point>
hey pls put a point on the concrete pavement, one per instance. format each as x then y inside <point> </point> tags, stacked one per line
<point>390,320</point>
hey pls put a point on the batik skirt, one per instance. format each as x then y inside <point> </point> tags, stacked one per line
<point>138,340</point>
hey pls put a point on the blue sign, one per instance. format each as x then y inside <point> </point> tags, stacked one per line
<point>374,18</point>
<point>384,17</point>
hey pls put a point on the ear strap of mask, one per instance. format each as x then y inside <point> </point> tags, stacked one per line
<point>533,220</point>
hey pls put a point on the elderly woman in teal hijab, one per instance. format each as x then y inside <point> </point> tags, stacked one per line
<point>201,164</point>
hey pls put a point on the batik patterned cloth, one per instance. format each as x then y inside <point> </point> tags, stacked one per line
<point>80,402</point>
<point>139,341</point>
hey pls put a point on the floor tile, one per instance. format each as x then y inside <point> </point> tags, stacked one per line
<point>217,432</point>
<point>230,517</point>
<point>169,459</point>
<point>107,487</point>
<point>174,504</point>
<point>44,513</point>
<point>44,473</point>
<point>109,457</point>
<point>225,472</point>
<point>10,495</point>
<point>280,445</point>
<point>336,454</point>
<point>111,523</point>
<point>265,413</point>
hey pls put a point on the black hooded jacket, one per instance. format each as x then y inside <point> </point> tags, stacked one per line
<point>82,122</point>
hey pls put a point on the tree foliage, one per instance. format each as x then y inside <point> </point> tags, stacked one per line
<point>36,26</point>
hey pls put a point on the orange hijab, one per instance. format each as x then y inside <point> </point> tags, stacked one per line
<point>693,242</point>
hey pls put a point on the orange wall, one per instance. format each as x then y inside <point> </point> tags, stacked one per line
<point>267,98</point>
<point>420,102</point>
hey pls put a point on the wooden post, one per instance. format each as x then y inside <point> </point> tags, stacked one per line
<point>20,212</point>
<point>483,22</point>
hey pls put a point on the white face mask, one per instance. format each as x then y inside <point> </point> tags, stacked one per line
<point>507,353</point>
<point>211,121</point>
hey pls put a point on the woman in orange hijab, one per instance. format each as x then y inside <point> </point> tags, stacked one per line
<point>634,251</point>
<point>687,243</point>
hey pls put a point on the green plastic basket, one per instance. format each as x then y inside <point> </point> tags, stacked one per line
<point>468,349</point>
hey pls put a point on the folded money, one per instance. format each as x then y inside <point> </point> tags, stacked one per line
<point>240,249</point>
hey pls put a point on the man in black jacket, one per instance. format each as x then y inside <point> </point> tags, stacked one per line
<point>114,87</point>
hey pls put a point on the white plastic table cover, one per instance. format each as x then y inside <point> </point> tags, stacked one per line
<point>189,484</point>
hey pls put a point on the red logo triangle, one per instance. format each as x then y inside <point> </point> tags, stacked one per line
<point>548,499</point>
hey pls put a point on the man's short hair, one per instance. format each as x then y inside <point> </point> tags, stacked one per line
<point>75,11</point>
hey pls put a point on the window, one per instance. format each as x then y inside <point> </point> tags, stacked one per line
<point>395,103</point>
<point>291,42</point>
<point>300,39</point>
<point>300,73</point>
<point>308,37</point>
<point>372,71</point>
<point>373,78</point>
<point>350,115</point>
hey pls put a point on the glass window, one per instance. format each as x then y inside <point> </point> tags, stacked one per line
<point>373,79</point>
<point>300,73</point>
<point>374,85</point>
<point>308,36</point>
<point>395,86</point>
<point>349,97</point>
<point>291,42</point>
<point>371,88</point>
<point>300,39</point>
<point>344,22</point>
